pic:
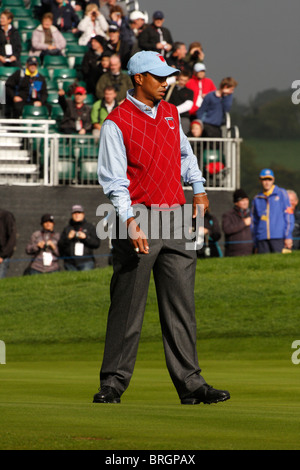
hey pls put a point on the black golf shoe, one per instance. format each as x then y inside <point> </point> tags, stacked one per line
<point>205,394</point>
<point>107,395</point>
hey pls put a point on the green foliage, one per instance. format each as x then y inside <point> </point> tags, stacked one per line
<point>270,115</point>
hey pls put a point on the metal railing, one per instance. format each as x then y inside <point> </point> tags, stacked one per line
<point>31,153</point>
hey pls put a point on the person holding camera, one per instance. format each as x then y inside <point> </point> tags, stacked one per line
<point>78,241</point>
<point>93,24</point>
<point>43,246</point>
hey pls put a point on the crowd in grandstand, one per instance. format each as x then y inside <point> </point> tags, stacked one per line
<point>109,35</point>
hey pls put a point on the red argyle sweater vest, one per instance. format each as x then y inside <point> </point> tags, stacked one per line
<point>153,153</point>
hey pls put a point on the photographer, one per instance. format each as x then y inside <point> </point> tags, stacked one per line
<point>77,242</point>
<point>43,247</point>
<point>92,24</point>
<point>195,54</point>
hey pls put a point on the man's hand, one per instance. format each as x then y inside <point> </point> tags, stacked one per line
<point>200,202</point>
<point>137,237</point>
<point>288,243</point>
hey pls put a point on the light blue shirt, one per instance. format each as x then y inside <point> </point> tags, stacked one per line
<point>112,163</point>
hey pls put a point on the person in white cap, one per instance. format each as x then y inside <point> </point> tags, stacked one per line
<point>143,154</point>
<point>201,85</point>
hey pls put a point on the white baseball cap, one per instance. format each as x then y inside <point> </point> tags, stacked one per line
<point>198,67</point>
<point>137,15</point>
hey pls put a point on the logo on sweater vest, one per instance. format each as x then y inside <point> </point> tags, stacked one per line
<point>171,122</point>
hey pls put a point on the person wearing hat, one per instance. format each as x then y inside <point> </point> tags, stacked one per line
<point>136,24</point>
<point>236,225</point>
<point>77,114</point>
<point>91,66</point>
<point>214,107</point>
<point>272,216</point>
<point>92,24</point>
<point>156,37</point>
<point>117,44</point>
<point>25,87</point>
<point>200,85</point>
<point>78,241</point>
<point>43,247</point>
<point>143,154</point>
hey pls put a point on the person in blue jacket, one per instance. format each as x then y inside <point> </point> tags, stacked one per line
<point>272,216</point>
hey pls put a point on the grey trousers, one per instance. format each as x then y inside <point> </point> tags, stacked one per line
<point>174,274</point>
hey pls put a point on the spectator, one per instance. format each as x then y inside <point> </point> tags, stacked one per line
<point>77,242</point>
<point>214,107</point>
<point>294,200</point>
<point>136,26</point>
<point>118,18</point>
<point>272,216</point>
<point>102,108</point>
<point>91,66</point>
<point>236,225</point>
<point>43,248</point>
<point>25,87</point>
<point>106,6</point>
<point>119,46</point>
<point>177,58</point>
<point>195,54</point>
<point>8,237</point>
<point>77,114</point>
<point>116,78</point>
<point>196,131</point>
<point>10,41</point>
<point>182,97</point>
<point>156,37</point>
<point>201,85</point>
<point>64,15</point>
<point>47,39</point>
<point>93,24</point>
<point>209,238</point>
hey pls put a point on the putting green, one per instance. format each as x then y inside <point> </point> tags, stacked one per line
<point>46,399</point>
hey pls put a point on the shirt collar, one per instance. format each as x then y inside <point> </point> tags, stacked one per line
<point>142,106</point>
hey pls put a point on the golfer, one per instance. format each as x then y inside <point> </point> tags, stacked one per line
<point>143,154</point>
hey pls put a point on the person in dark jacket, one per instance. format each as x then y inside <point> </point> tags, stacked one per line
<point>91,66</point>
<point>43,248</point>
<point>10,41</point>
<point>212,233</point>
<point>236,225</point>
<point>8,236</point>
<point>77,115</point>
<point>156,37</point>
<point>77,242</point>
<point>64,15</point>
<point>25,86</point>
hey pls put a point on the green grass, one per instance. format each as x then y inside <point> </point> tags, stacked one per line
<point>54,327</point>
<point>284,153</point>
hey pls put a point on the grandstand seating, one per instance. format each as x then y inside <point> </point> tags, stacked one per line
<point>35,112</point>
